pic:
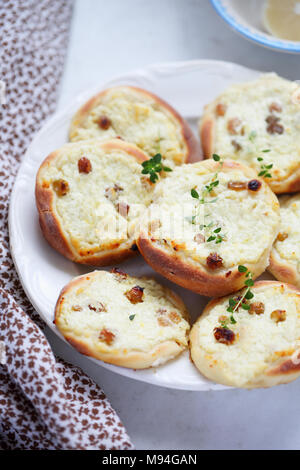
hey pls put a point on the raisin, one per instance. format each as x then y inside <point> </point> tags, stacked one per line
<point>237,185</point>
<point>112,192</point>
<point>134,247</point>
<point>257,307</point>
<point>123,208</point>
<point>278,315</point>
<point>275,107</point>
<point>61,187</point>
<point>233,125</point>
<point>224,335</point>
<point>84,165</point>
<point>135,295</point>
<point>274,127</point>
<point>106,336</point>
<point>214,261</point>
<point>104,122</point>
<point>282,236</point>
<point>174,317</point>
<point>99,308</point>
<point>254,185</point>
<point>119,274</point>
<point>236,145</point>
<point>76,308</point>
<point>162,321</point>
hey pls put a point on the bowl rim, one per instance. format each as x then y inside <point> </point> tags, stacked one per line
<point>261,38</point>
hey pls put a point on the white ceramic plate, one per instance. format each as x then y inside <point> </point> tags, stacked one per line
<point>188,86</point>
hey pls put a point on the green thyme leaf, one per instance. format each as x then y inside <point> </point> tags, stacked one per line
<point>245,306</point>
<point>249,295</point>
<point>153,177</point>
<point>131,317</point>
<point>194,194</point>
<point>211,201</point>
<point>156,158</point>
<point>242,269</point>
<point>153,166</point>
<point>216,157</point>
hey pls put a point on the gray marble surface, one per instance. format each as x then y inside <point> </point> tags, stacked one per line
<point>109,38</point>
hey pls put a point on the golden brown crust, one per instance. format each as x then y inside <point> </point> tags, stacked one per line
<point>138,360</point>
<point>134,360</point>
<point>50,223</point>
<point>288,185</point>
<point>281,270</point>
<point>284,370</point>
<point>199,279</point>
<point>193,147</point>
<point>195,279</point>
<point>54,235</point>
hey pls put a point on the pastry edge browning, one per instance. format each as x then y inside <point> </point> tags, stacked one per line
<point>281,270</point>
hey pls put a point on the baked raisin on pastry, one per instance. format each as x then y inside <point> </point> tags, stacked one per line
<point>257,345</point>
<point>258,124</point>
<point>123,320</point>
<point>90,196</point>
<point>285,254</point>
<point>206,219</point>
<point>140,117</point>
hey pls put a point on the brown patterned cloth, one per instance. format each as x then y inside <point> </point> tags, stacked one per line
<point>44,402</point>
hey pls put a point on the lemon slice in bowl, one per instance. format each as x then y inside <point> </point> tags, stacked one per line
<point>282,19</point>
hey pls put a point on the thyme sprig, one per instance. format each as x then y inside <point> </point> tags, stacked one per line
<point>153,167</point>
<point>264,169</point>
<point>215,234</point>
<point>235,303</point>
